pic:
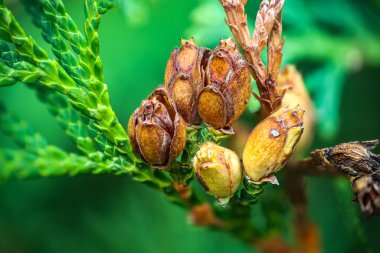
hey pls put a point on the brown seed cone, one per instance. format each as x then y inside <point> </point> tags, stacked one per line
<point>184,78</point>
<point>228,86</point>
<point>272,142</point>
<point>156,130</point>
<point>353,158</point>
<point>367,192</point>
<point>356,160</point>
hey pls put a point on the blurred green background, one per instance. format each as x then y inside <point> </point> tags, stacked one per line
<point>335,44</point>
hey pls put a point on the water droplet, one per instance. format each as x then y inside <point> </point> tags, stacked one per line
<point>274,133</point>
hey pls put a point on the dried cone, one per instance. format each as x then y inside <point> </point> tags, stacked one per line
<point>184,78</point>
<point>228,86</point>
<point>156,130</point>
<point>367,192</point>
<point>271,143</point>
<point>296,94</point>
<point>356,160</point>
<point>353,158</point>
<point>218,170</point>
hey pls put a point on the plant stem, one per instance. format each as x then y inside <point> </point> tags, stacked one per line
<point>268,30</point>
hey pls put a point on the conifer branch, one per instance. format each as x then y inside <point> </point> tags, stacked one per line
<point>92,102</point>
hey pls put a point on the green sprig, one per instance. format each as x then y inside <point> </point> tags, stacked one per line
<point>93,102</point>
<point>77,74</point>
<point>38,159</point>
<point>49,162</point>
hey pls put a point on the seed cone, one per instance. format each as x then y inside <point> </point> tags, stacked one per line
<point>367,192</point>
<point>156,130</point>
<point>218,170</point>
<point>271,143</point>
<point>228,86</point>
<point>356,160</point>
<point>352,158</point>
<point>184,78</point>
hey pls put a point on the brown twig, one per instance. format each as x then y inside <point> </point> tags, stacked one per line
<point>311,167</point>
<point>275,46</point>
<point>200,214</point>
<point>306,233</point>
<point>267,32</point>
<point>274,245</point>
<point>203,215</point>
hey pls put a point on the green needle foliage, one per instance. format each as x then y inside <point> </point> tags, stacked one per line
<point>78,74</point>
<point>72,87</point>
<point>37,158</point>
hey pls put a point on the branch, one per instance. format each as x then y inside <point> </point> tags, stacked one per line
<point>305,232</point>
<point>49,162</point>
<point>353,160</point>
<point>34,66</point>
<point>38,159</point>
<point>267,32</point>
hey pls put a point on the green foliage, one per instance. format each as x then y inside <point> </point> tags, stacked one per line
<point>48,162</point>
<point>72,87</point>
<point>76,74</point>
<point>70,120</point>
<point>102,155</point>
<point>37,158</point>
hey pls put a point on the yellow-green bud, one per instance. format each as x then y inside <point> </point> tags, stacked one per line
<point>271,143</point>
<point>218,170</point>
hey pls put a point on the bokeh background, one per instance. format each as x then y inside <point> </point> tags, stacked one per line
<point>336,46</point>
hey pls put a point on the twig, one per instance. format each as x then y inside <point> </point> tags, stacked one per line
<point>311,167</point>
<point>353,160</point>
<point>306,233</point>
<point>267,32</point>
